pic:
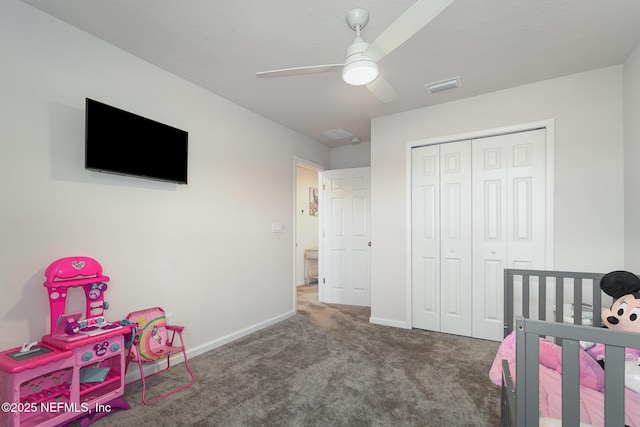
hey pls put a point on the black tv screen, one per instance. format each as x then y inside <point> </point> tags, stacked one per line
<point>120,142</point>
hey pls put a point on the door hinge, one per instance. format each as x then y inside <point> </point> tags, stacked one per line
<point>324,187</point>
<point>324,280</point>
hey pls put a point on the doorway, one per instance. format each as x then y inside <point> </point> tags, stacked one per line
<point>307,226</point>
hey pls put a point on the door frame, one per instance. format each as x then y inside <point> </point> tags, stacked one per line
<point>548,125</point>
<point>299,161</point>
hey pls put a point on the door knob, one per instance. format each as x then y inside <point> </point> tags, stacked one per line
<point>453,251</point>
<point>369,243</point>
<point>493,251</point>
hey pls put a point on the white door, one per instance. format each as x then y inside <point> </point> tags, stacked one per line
<point>509,220</point>
<point>441,244</point>
<point>346,237</point>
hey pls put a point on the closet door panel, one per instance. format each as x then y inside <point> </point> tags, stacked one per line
<point>455,235</point>
<point>489,233</point>
<point>526,232</point>
<point>425,240</point>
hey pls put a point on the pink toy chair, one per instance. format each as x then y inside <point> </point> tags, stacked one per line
<point>152,343</point>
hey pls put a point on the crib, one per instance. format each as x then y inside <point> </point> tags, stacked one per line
<point>533,296</point>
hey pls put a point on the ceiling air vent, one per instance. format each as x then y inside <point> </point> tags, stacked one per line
<point>336,134</point>
<point>443,85</point>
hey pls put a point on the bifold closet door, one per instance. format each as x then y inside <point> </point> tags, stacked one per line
<point>477,207</point>
<point>509,219</point>
<point>441,242</point>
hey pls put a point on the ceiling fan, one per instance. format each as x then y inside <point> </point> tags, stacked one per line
<point>360,66</point>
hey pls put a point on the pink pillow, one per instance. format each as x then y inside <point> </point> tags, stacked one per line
<point>551,355</point>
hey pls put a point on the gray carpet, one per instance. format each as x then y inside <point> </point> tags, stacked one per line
<point>327,366</point>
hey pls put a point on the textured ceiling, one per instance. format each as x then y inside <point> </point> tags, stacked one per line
<point>491,44</point>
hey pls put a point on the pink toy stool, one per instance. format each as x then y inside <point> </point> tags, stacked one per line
<point>152,343</point>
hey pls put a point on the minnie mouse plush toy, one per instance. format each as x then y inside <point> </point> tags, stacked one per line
<point>624,314</point>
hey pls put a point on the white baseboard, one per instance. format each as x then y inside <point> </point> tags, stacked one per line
<point>133,373</point>
<point>389,322</point>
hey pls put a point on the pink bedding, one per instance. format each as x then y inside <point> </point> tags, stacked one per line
<point>591,383</point>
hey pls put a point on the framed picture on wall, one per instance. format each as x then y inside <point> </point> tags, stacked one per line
<point>313,201</point>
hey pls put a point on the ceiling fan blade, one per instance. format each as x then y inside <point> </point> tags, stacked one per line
<point>313,69</point>
<point>403,28</point>
<point>382,90</point>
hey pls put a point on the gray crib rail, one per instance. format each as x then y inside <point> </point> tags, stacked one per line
<point>528,333</point>
<point>507,398</point>
<point>557,278</point>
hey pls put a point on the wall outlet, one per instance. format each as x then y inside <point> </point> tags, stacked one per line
<point>169,317</point>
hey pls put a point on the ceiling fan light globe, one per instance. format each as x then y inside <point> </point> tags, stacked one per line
<point>360,73</point>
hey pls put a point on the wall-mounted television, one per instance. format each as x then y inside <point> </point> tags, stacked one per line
<point>123,143</point>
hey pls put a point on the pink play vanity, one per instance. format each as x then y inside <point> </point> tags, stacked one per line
<point>78,368</point>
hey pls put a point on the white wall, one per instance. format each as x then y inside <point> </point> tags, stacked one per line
<point>351,156</point>
<point>204,251</point>
<point>306,225</point>
<point>631,161</point>
<point>587,109</point>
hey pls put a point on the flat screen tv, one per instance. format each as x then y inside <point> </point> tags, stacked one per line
<point>123,143</point>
